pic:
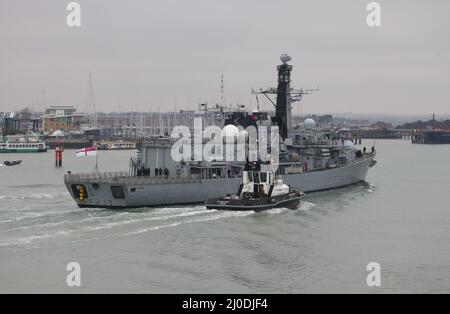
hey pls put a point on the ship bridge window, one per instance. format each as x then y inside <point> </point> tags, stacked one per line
<point>263,177</point>
<point>256,177</point>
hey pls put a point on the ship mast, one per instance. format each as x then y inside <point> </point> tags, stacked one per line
<point>283,107</point>
<point>285,96</point>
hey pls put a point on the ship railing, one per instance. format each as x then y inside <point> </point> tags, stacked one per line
<point>123,176</point>
<point>160,180</point>
<point>297,164</point>
<point>95,175</point>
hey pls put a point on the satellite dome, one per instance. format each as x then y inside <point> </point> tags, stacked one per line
<point>230,133</point>
<point>295,157</point>
<point>348,144</point>
<point>309,124</point>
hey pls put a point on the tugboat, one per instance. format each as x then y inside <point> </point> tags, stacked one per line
<point>259,190</point>
<point>12,162</point>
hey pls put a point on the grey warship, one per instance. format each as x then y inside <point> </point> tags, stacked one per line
<point>310,159</point>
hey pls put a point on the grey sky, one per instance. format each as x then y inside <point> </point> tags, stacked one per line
<point>170,54</point>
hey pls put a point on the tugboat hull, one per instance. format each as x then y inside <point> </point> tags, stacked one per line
<point>291,201</point>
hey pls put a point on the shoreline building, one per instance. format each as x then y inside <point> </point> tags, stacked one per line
<point>62,118</point>
<point>18,122</point>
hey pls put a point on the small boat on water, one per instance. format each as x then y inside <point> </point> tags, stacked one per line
<point>31,143</point>
<point>259,190</point>
<point>12,162</point>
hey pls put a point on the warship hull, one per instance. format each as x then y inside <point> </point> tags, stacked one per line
<point>122,191</point>
<point>331,178</point>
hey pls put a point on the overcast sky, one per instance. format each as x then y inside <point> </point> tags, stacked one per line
<point>166,55</point>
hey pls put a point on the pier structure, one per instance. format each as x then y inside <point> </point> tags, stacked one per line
<point>404,134</point>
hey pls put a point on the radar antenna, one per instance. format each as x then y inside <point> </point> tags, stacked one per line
<point>285,96</point>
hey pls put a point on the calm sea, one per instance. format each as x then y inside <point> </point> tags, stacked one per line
<point>399,219</point>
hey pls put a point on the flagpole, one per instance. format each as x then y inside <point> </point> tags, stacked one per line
<point>96,160</point>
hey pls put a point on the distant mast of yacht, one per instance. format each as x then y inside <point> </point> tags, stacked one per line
<point>91,104</point>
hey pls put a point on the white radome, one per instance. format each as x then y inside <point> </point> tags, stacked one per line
<point>230,133</point>
<point>348,144</point>
<point>309,124</point>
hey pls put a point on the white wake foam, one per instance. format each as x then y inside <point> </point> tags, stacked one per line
<point>27,240</point>
<point>215,217</point>
<point>306,206</point>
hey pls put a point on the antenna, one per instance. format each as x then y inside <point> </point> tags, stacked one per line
<point>33,110</point>
<point>221,91</point>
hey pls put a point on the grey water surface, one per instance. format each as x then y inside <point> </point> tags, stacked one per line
<point>400,218</point>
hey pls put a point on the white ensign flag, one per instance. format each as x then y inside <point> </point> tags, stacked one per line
<point>87,151</point>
